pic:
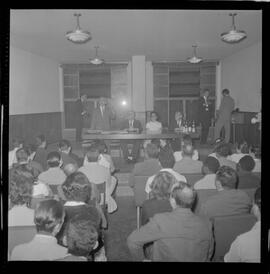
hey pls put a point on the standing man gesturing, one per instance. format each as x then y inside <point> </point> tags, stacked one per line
<point>224,115</point>
<point>80,113</point>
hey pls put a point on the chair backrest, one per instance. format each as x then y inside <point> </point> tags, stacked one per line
<point>192,178</point>
<point>226,229</point>
<point>250,192</point>
<point>19,235</point>
<point>139,189</point>
<point>202,196</point>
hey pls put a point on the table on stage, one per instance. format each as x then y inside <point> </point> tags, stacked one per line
<point>89,135</point>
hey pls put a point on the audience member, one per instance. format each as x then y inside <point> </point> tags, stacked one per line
<point>149,166</point>
<point>228,200</point>
<point>54,175</point>
<point>179,235</point>
<point>222,153</point>
<point>153,125</point>
<point>98,174</point>
<point>246,248</point>
<point>20,194</point>
<point>70,168</point>
<point>78,191</point>
<point>165,157</point>
<point>187,164</point>
<point>209,169</point>
<point>256,155</point>
<point>66,153</point>
<point>83,240</point>
<point>160,193</point>
<point>41,152</point>
<point>241,150</point>
<point>16,144</point>
<point>247,179</point>
<point>49,216</point>
<point>217,143</point>
<point>187,140</point>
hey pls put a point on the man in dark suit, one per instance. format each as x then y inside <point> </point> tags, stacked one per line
<point>205,110</point>
<point>132,125</point>
<point>224,115</point>
<point>102,115</point>
<point>79,115</point>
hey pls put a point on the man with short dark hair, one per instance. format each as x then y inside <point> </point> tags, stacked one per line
<point>247,179</point>
<point>246,248</point>
<point>224,115</point>
<point>66,153</point>
<point>54,175</point>
<point>209,169</point>
<point>179,235</point>
<point>229,200</point>
<point>149,166</point>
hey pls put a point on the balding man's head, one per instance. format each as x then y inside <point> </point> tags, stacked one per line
<point>182,195</point>
<point>70,168</point>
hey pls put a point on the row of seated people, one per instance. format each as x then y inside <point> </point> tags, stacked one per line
<point>64,229</point>
<point>171,231</point>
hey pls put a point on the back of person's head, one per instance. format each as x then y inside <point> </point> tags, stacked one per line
<point>92,153</point>
<point>152,151</point>
<point>70,168</point>
<point>49,216</point>
<point>244,148</point>
<point>16,142</point>
<point>187,140</point>
<point>22,155</point>
<point>225,91</point>
<point>156,142</point>
<point>26,170</point>
<point>77,187</point>
<point>223,150</point>
<point>162,184</point>
<point>40,138</point>
<point>182,195</point>
<point>54,159</point>
<point>246,163</point>
<point>30,148</point>
<point>166,159</point>
<point>210,165</point>
<point>187,150</point>
<point>257,198</point>
<point>101,146</point>
<point>82,235</point>
<point>64,145</point>
<point>227,177</point>
<point>20,187</point>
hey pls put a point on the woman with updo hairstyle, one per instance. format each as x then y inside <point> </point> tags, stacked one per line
<point>20,195</point>
<point>153,125</point>
<point>159,196</point>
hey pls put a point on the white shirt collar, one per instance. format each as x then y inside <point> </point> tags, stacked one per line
<point>73,203</point>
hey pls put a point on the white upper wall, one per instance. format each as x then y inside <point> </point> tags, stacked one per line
<point>241,73</point>
<point>34,83</point>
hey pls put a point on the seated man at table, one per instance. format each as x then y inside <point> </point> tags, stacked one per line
<point>149,166</point>
<point>132,125</point>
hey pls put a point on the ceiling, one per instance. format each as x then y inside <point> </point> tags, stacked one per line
<point>160,35</point>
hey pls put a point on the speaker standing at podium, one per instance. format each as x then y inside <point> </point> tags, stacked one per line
<point>204,115</point>
<point>79,116</point>
<point>224,115</point>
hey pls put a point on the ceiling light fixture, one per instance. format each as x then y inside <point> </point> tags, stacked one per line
<point>96,60</point>
<point>194,59</point>
<point>78,36</point>
<point>233,36</point>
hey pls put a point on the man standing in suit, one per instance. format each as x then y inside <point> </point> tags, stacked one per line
<point>132,125</point>
<point>224,115</point>
<point>102,115</point>
<point>80,113</point>
<point>204,115</point>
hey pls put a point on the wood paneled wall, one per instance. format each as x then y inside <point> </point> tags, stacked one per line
<point>27,126</point>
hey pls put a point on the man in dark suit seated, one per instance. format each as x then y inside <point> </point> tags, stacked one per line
<point>178,236</point>
<point>247,179</point>
<point>133,125</point>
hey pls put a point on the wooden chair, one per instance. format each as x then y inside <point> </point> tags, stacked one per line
<point>193,178</point>
<point>202,196</point>
<point>19,235</point>
<point>226,229</point>
<point>139,194</point>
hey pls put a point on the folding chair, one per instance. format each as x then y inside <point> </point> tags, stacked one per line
<point>139,194</point>
<point>226,229</point>
<point>19,235</point>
